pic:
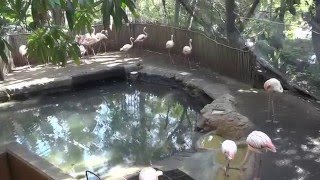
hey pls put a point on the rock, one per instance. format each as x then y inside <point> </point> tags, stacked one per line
<point>221,116</point>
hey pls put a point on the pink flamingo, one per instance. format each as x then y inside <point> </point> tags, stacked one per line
<point>102,36</point>
<point>149,173</point>
<point>270,86</point>
<point>127,47</point>
<point>229,149</point>
<point>258,141</point>
<point>142,37</point>
<point>187,51</point>
<point>169,46</point>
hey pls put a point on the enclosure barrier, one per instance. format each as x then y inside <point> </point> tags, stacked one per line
<point>234,63</point>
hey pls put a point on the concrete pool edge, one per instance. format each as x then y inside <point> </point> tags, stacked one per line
<point>17,162</point>
<point>63,83</point>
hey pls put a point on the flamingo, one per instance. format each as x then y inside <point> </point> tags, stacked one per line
<point>82,50</point>
<point>270,86</point>
<point>23,51</point>
<point>149,173</point>
<point>187,51</point>
<point>258,141</point>
<point>169,46</point>
<point>142,37</point>
<point>127,47</point>
<point>229,149</point>
<point>102,36</point>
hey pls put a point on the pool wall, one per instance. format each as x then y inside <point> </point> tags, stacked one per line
<point>18,163</point>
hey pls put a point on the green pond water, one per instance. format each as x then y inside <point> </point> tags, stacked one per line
<point>103,126</point>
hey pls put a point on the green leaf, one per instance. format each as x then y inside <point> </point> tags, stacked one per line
<point>106,10</point>
<point>70,14</point>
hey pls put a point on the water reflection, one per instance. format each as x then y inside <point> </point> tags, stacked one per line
<point>103,127</point>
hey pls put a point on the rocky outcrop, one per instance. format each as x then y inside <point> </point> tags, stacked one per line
<point>221,116</point>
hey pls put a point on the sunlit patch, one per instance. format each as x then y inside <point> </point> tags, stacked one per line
<point>248,91</point>
<point>217,112</point>
<point>290,152</point>
<point>302,173</point>
<point>283,162</point>
<point>184,73</point>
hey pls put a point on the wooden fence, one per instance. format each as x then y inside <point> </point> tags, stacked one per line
<point>209,53</point>
<point>235,63</point>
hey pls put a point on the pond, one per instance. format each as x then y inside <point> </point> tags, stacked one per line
<point>103,126</point>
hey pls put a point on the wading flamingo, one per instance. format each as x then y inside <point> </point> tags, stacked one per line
<point>149,173</point>
<point>229,149</point>
<point>102,36</point>
<point>257,141</point>
<point>169,46</point>
<point>187,51</point>
<point>127,47</point>
<point>271,86</point>
<point>142,37</point>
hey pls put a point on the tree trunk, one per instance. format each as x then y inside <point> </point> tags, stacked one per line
<point>315,23</point>
<point>176,13</point>
<point>233,34</point>
<point>57,16</point>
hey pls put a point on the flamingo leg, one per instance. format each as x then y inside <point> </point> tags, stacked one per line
<point>257,177</point>
<point>99,47</point>
<point>105,47</point>
<point>170,56</point>
<point>245,160</point>
<point>227,169</point>
<point>189,62</point>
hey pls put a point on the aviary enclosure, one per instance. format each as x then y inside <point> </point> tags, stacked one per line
<point>155,114</point>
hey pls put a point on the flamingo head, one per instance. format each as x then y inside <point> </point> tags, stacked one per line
<point>271,147</point>
<point>131,38</point>
<point>144,28</point>
<point>190,40</point>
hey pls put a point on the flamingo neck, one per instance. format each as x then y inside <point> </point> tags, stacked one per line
<point>171,37</point>
<point>190,45</point>
<point>131,42</point>
<point>144,31</point>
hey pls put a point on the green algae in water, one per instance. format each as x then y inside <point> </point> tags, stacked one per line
<point>105,126</point>
<point>212,141</point>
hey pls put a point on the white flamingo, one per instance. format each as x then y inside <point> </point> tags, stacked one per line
<point>271,86</point>
<point>229,149</point>
<point>89,41</point>
<point>127,47</point>
<point>258,141</point>
<point>102,36</point>
<point>142,37</point>
<point>83,50</point>
<point>169,46</point>
<point>149,173</point>
<point>187,51</point>
<point>23,51</point>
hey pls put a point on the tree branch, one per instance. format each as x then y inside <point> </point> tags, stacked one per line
<point>200,20</point>
<point>249,15</point>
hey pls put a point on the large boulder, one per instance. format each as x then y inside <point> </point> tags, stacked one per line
<point>221,116</point>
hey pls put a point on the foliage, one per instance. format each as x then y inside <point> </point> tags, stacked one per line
<point>116,9</point>
<point>52,45</point>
